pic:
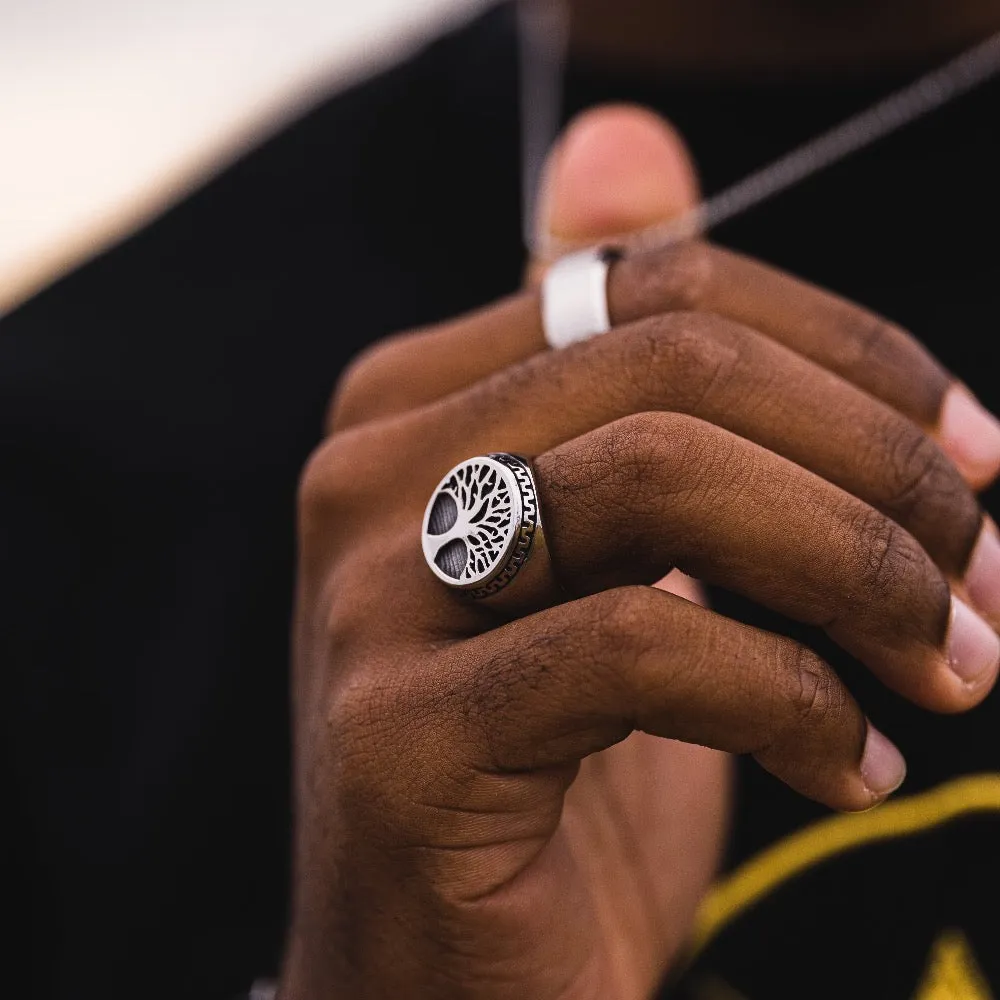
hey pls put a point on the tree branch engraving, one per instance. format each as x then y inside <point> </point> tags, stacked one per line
<point>471,518</point>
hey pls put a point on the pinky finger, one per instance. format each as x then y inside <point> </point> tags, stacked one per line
<point>548,690</point>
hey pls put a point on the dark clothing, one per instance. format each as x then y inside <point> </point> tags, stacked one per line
<point>157,405</point>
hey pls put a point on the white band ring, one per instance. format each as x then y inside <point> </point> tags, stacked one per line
<point>575,297</point>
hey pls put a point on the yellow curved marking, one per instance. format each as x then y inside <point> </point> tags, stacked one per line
<point>835,835</point>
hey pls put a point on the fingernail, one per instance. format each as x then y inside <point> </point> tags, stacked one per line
<point>973,647</point>
<point>882,766</point>
<point>970,436</point>
<point>982,579</point>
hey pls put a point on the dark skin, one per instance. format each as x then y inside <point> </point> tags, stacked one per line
<point>497,802</point>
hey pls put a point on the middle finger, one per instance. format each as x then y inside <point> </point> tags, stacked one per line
<point>416,368</point>
<point>736,378</point>
<point>625,502</point>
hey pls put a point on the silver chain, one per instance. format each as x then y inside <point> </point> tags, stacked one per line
<point>542,38</point>
<point>543,32</point>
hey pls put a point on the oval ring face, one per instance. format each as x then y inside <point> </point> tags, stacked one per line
<point>471,523</point>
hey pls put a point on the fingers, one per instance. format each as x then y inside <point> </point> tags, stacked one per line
<point>626,502</point>
<point>852,342</point>
<point>615,169</point>
<point>550,689</point>
<point>738,379</point>
<point>618,169</point>
<point>415,368</point>
<point>634,148</point>
<point>860,348</point>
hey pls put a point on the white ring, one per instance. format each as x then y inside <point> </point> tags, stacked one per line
<point>575,297</point>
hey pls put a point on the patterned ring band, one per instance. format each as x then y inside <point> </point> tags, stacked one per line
<point>483,523</point>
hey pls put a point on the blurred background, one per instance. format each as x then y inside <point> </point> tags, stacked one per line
<point>112,109</point>
<point>156,411</point>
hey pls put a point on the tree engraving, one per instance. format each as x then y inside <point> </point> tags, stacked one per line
<point>470,521</point>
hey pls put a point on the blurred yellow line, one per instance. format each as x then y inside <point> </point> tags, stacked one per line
<point>835,835</point>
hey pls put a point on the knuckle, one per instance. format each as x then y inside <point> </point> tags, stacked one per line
<point>637,445</point>
<point>917,472</point>
<point>355,707</point>
<point>375,707</point>
<point>640,360</point>
<point>327,474</point>
<point>397,771</point>
<point>342,490</point>
<point>605,466</point>
<point>623,635</point>
<point>603,645</point>
<point>362,565</point>
<point>925,491</point>
<point>682,358</point>
<point>673,278</point>
<point>643,442</point>
<point>354,467</point>
<point>888,557</point>
<point>363,722</point>
<point>355,385</point>
<point>895,592</point>
<point>629,459</point>
<point>620,617</point>
<point>370,385</point>
<point>813,693</point>
<point>869,340</point>
<point>317,480</point>
<point>874,352</point>
<point>647,454</point>
<point>492,699</point>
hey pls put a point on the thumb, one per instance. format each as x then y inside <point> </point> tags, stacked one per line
<point>615,170</point>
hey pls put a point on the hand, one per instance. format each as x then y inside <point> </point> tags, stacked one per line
<point>493,809</point>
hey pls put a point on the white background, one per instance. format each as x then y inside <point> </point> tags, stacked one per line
<point>109,109</point>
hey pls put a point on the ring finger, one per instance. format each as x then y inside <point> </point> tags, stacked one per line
<point>626,502</point>
<point>726,374</point>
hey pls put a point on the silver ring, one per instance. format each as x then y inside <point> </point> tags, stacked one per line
<point>483,523</point>
<point>575,297</point>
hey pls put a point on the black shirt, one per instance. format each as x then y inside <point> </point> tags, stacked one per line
<point>157,405</point>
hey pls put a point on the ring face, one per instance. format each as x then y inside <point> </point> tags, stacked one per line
<point>480,523</point>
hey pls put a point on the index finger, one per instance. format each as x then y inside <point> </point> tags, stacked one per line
<point>867,350</point>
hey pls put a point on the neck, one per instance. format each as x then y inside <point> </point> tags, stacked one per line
<point>741,38</point>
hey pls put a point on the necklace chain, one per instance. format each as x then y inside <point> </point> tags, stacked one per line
<point>543,34</point>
